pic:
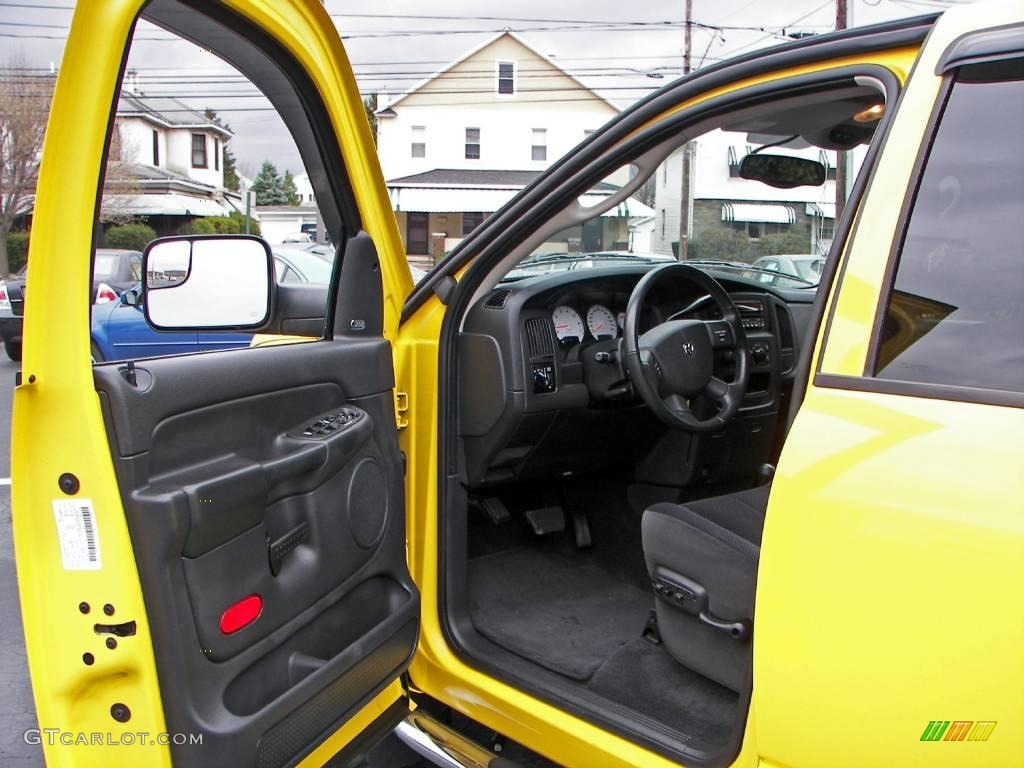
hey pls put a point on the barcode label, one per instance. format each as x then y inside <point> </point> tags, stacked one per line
<point>79,538</point>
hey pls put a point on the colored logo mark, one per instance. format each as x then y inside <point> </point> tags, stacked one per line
<point>958,730</point>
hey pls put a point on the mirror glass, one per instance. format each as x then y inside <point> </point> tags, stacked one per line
<point>783,171</point>
<point>207,283</point>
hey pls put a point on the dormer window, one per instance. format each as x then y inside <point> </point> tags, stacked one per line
<point>506,78</point>
<point>199,150</point>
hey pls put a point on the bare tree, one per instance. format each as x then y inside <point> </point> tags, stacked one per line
<point>24,106</point>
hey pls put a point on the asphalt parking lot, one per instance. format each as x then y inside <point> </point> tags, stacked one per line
<point>17,713</point>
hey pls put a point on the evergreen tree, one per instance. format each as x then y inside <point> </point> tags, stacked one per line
<point>370,106</point>
<point>269,186</point>
<point>291,193</point>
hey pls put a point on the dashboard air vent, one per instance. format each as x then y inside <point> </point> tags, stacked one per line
<point>497,298</point>
<point>539,335</point>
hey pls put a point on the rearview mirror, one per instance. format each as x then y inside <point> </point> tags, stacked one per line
<point>215,282</point>
<point>783,171</point>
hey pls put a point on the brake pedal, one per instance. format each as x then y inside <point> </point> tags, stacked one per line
<point>545,520</point>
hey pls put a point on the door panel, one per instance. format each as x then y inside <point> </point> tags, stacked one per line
<point>226,498</point>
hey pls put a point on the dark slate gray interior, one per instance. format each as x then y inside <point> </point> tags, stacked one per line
<point>214,468</point>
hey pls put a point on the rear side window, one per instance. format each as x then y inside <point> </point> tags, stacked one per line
<point>955,315</point>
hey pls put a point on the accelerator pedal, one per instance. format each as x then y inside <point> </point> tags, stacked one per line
<point>545,520</point>
<point>580,527</point>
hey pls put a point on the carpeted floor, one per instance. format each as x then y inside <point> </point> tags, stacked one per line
<point>580,613</point>
<point>543,606</point>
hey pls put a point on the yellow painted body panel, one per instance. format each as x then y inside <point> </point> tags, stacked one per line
<point>893,551</point>
<point>57,427</point>
<point>57,423</point>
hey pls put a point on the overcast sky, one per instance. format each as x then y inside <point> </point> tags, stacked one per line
<point>611,50</point>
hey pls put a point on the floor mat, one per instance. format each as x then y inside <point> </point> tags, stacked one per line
<point>646,678</point>
<point>555,609</point>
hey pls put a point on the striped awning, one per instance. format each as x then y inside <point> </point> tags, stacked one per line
<point>822,210</point>
<point>765,212</point>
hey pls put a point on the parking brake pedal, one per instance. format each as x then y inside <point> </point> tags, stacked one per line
<point>495,509</point>
<point>545,520</point>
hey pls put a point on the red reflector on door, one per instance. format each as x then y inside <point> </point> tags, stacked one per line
<point>241,614</point>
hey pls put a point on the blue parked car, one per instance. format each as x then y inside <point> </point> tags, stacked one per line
<point>120,330</point>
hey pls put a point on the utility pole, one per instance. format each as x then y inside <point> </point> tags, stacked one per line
<point>684,196</point>
<point>842,158</point>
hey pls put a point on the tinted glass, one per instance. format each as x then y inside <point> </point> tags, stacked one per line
<point>956,314</point>
<point>105,266</point>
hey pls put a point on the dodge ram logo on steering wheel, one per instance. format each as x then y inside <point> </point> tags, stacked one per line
<point>688,348</point>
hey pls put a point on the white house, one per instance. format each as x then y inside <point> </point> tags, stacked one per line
<point>721,200</point>
<point>460,144</point>
<point>172,161</point>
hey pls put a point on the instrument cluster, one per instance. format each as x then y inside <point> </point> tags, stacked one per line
<point>600,323</point>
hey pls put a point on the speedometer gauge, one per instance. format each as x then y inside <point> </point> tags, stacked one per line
<point>568,323</point>
<point>601,322</point>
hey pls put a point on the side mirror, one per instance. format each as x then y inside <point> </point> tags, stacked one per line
<point>783,171</point>
<point>132,298</point>
<point>215,282</point>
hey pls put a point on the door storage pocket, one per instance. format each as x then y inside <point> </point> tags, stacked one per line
<point>366,620</point>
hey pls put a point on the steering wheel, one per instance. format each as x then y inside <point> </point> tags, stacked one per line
<point>674,361</point>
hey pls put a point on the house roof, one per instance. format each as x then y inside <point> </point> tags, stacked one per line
<point>440,199</point>
<point>165,111</point>
<point>475,177</point>
<point>387,111</point>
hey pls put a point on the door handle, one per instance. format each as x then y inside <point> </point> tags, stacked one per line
<point>306,458</point>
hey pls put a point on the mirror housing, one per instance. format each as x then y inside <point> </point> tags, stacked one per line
<point>783,171</point>
<point>207,283</point>
<point>132,297</point>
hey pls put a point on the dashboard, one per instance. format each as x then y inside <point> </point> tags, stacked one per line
<point>541,383</point>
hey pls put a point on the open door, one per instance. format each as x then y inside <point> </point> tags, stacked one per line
<point>221,564</point>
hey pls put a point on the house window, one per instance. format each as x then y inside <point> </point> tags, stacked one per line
<point>539,150</point>
<point>663,222</point>
<point>471,221</point>
<point>156,149</point>
<point>419,141</point>
<point>216,154</point>
<point>827,230</point>
<point>754,230</point>
<point>198,150</point>
<point>506,78</point>
<point>472,143</point>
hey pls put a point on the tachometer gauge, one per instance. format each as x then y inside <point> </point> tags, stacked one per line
<point>601,322</point>
<point>568,323</point>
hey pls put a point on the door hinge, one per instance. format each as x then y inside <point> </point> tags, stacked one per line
<point>401,408</point>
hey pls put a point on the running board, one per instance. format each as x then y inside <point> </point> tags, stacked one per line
<point>436,742</point>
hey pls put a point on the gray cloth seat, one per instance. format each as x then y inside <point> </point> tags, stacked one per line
<point>702,559</point>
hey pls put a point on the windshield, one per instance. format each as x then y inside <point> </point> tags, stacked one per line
<point>310,268</point>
